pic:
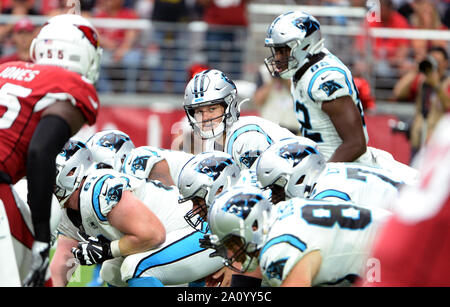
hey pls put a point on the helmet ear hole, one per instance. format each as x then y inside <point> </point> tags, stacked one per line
<point>300,180</point>
<point>255,226</point>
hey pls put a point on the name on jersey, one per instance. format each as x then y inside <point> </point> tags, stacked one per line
<point>19,74</point>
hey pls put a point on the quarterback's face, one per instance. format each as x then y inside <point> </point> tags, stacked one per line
<point>209,117</point>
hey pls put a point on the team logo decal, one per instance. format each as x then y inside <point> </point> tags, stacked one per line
<point>249,157</point>
<point>113,141</point>
<point>241,204</point>
<point>71,148</point>
<point>213,166</point>
<point>295,152</point>
<point>307,25</point>
<point>275,269</point>
<point>330,87</point>
<point>114,194</point>
<point>139,164</point>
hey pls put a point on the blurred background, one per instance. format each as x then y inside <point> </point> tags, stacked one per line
<point>153,47</point>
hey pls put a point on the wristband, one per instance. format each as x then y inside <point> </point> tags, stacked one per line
<point>115,250</point>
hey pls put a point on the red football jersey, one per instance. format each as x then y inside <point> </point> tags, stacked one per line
<point>414,247</point>
<point>26,89</point>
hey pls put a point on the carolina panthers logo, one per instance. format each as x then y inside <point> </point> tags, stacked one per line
<point>113,141</point>
<point>295,152</point>
<point>241,204</point>
<point>114,194</point>
<point>307,25</point>
<point>213,166</point>
<point>71,148</point>
<point>330,87</point>
<point>275,269</point>
<point>249,157</point>
<point>139,164</point>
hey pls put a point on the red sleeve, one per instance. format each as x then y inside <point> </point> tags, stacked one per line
<point>58,83</point>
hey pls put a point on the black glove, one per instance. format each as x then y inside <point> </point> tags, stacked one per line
<point>39,264</point>
<point>92,250</point>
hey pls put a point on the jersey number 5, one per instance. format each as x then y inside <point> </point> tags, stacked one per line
<point>9,94</point>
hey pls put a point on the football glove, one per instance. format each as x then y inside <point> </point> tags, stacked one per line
<point>92,250</point>
<point>39,264</point>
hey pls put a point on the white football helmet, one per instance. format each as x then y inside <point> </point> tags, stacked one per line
<point>69,41</point>
<point>71,165</point>
<point>139,161</point>
<point>211,87</point>
<point>204,176</point>
<point>293,164</point>
<point>300,32</point>
<point>242,215</point>
<point>109,148</point>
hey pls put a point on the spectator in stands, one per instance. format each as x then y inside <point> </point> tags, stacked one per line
<point>20,7</point>
<point>227,31</point>
<point>274,100</point>
<point>23,34</point>
<point>170,40</point>
<point>83,7</point>
<point>425,16</point>
<point>390,53</point>
<point>119,46</point>
<point>14,7</point>
<point>429,87</point>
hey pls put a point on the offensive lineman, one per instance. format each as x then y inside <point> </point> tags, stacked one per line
<point>299,242</point>
<point>102,204</point>
<point>295,168</point>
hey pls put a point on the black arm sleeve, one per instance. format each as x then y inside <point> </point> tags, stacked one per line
<point>48,139</point>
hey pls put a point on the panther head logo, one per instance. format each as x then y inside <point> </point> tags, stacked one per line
<point>242,204</point>
<point>71,148</point>
<point>213,166</point>
<point>307,25</point>
<point>295,152</point>
<point>330,87</point>
<point>113,141</point>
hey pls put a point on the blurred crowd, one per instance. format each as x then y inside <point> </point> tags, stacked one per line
<point>168,56</point>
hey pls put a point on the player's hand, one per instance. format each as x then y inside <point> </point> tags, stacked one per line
<point>221,278</point>
<point>92,250</point>
<point>39,264</point>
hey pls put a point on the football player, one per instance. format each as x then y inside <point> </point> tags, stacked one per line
<point>295,168</point>
<point>203,178</point>
<point>420,223</point>
<point>45,102</point>
<point>149,162</point>
<point>213,111</point>
<point>131,226</point>
<point>299,242</point>
<point>109,148</point>
<point>326,100</point>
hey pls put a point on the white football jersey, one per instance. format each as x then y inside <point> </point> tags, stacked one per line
<point>365,186</point>
<point>247,138</point>
<point>341,231</point>
<point>326,80</point>
<point>139,162</point>
<point>102,190</point>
